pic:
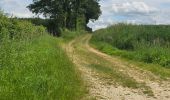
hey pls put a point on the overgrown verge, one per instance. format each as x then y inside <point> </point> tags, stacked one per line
<point>143,43</point>
<point>68,35</point>
<point>33,66</point>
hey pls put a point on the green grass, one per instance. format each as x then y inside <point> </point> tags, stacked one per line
<point>148,45</point>
<point>33,66</point>
<point>68,35</point>
<point>39,70</point>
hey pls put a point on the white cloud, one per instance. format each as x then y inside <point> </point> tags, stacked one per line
<point>133,11</point>
<point>16,7</point>
<point>101,23</point>
<point>132,7</point>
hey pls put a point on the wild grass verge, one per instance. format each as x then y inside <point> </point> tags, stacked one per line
<point>33,66</point>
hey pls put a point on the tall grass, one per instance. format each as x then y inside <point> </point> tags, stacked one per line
<point>146,43</point>
<point>33,66</point>
<point>69,35</point>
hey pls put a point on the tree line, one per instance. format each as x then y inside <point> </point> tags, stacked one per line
<point>70,14</point>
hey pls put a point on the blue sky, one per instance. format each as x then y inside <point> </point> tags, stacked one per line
<point>113,11</point>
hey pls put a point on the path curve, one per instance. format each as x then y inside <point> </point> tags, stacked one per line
<point>84,55</point>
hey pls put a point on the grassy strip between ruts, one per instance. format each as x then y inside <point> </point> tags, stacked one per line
<point>106,69</point>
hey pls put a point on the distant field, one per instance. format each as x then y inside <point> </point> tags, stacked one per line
<point>144,43</point>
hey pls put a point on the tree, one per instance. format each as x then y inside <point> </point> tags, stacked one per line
<point>66,13</point>
<point>92,10</point>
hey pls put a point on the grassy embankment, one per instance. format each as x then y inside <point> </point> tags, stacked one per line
<point>33,66</point>
<point>141,43</point>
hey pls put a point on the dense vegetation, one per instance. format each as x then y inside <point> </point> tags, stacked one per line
<point>33,66</point>
<point>146,43</point>
<point>47,23</point>
<point>70,14</point>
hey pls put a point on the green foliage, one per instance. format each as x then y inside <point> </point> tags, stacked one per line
<point>147,43</point>
<point>33,66</point>
<point>70,14</point>
<point>12,29</point>
<point>68,35</point>
<point>50,25</point>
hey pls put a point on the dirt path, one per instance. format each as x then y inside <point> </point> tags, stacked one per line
<point>110,78</point>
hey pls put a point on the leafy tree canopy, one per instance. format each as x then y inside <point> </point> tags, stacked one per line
<point>67,12</point>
